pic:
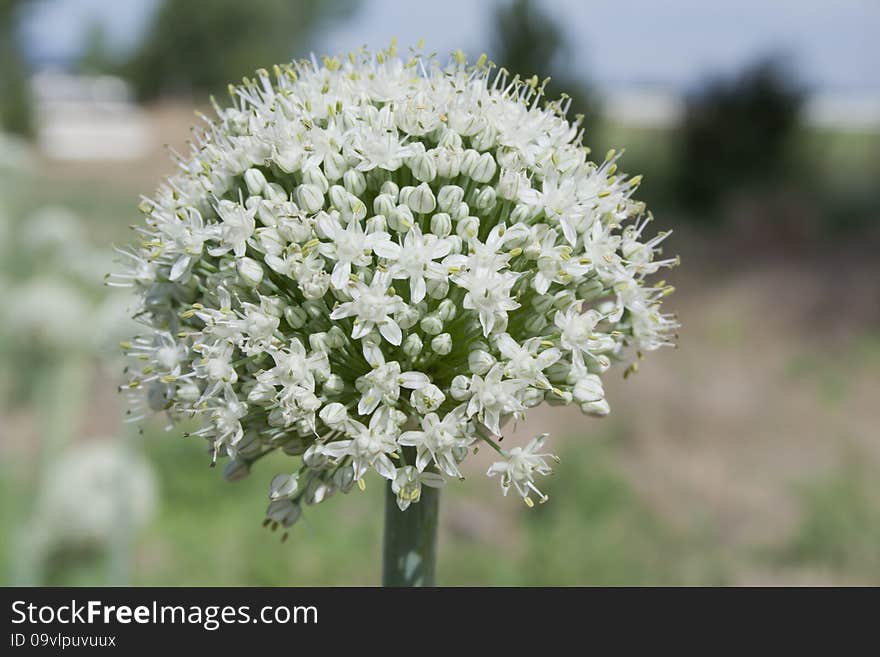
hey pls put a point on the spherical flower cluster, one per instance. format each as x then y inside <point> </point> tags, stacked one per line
<point>375,264</point>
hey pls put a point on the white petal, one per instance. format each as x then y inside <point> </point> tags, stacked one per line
<point>386,249</point>
<point>179,268</point>
<point>414,380</point>
<point>339,277</point>
<point>418,288</point>
<point>433,480</point>
<point>390,331</point>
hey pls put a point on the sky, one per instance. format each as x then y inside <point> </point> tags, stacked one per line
<point>831,44</point>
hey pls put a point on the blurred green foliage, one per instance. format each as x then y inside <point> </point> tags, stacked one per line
<point>737,134</point>
<point>97,57</point>
<point>197,47</point>
<point>595,530</point>
<point>840,526</point>
<point>15,102</point>
<point>528,41</point>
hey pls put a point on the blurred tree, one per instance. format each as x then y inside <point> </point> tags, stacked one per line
<point>15,105</point>
<point>735,135</point>
<point>527,41</point>
<point>97,55</point>
<point>197,47</point>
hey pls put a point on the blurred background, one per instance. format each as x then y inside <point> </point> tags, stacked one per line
<point>750,455</point>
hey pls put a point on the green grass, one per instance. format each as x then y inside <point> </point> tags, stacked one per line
<point>840,523</point>
<point>594,530</point>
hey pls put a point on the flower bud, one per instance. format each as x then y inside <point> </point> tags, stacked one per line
<point>459,388</point>
<point>266,213</point>
<point>448,163</point>
<point>352,208</point>
<point>285,512</point>
<point>384,205</point>
<point>520,214</point>
<point>459,212</point>
<point>250,271</point>
<point>334,166</point>
<point>509,184</point>
<point>412,346</point>
<point>276,418</point>
<point>437,288</point>
<point>310,198</point>
<point>449,197</point>
<point>282,486</point>
<point>422,200</point>
<point>407,317</point>
<point>590,289</point>
<point>355,182</point>
<point>390,189</point>
<point>398,417</point>
<point>424,168</point>
<point>314,177</point>
<point>343,479</point>
<point>484,168</point>
<point>336,337</point>
<point>480,362</point>
<point>456,244</point>
<point>253,202</point>
<point>319,342</point>
<point>563,299</point>
<point>314,457</point>
<point>376,224</point>
<point>431,324</point>
<point>401,219</point>
<point>468,160</point>
<point>255,181</point>
<point>599,408</point>
<point>334,415</point>
<point>532,397</point>
<point>334,385</point>
<point>317,491</point>
<point>542,303</point>
<point>442,344</point>
<point>485,199</point>
<point>468,228</point>
<point>295,317</point>
<point>338,197</point>
<point>260,394</point>
<point>588,389</point>
<point>441,224</point>
<point>288,160</point>
<point>450,140</point>
<point>485,139</point>
<point>275,192</point>
<point>446,310</point>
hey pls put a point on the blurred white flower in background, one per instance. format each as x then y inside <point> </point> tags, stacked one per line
<point>88,491</point>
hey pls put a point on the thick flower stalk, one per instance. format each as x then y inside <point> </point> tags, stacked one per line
<point>376,264</point>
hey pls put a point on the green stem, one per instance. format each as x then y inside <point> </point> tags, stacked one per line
<point>410,547</point>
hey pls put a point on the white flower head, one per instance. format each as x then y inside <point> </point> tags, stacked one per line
<point>371,263</point>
